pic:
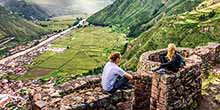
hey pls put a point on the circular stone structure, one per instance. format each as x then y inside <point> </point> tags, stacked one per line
<point>151,59</point>
<point>173,91</point>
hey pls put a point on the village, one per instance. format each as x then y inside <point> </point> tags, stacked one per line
<point>25,54</point>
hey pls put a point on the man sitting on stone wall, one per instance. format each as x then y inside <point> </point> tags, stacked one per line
<point>114,77</point>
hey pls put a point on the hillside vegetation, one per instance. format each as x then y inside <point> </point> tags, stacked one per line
<point>14,26</point>
<point>186,30</point>
<point>26,9</point>
<point>136,16</point>
<point>41,9</point>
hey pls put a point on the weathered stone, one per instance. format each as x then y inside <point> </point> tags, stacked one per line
<point>170,90</point>
<point>40,104</point>
<point>55,95</point>
<point>66,108</point>
<point>37,97</point>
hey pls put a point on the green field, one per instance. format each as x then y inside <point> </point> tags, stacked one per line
<point>57,24</point>
<point>88,49</point>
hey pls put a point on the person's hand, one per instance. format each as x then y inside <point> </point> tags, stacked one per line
<point>128,76</point>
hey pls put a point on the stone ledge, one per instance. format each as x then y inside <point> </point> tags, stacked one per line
<point>80,84</point>
<point>172,91</point>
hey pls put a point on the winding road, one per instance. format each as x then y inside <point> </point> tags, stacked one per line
<point>44,43</point>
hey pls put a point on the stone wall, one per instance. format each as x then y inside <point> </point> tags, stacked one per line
<point>150,59</point>
<point>172,91</point>
<point>153,91</point>
<point>178,90</point>
<point>210,55</point>
<point>142,92</point>
<point>81,94</point>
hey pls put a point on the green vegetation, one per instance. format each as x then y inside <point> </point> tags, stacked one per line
<point>210,90</point>
<point>25,31</point>
<point>212,79</point>
<point>26,9</point>
<point>88,48</point>
<point>57,24</point>
<point>14,26</point>
<point>185,30</point>
<point>217,97</point>
<point>137,16</point>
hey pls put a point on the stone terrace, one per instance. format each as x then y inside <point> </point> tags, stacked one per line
<point>81,94</point>
<point>173,91</point>
<point>153,91</point>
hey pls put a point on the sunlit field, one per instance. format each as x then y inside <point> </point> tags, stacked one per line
<point>57,23</point>
<point>88,48</point>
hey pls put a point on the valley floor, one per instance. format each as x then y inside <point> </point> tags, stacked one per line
<point>78,51</point>
<point>83,50</point>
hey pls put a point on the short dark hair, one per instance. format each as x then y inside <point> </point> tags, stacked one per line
<point>114,56</point>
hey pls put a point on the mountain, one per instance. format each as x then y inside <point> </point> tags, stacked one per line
<point>26,9</point>
<point>136,16</point>
<point>72,7</point>
<point>42,9</point>
<point>188,29</point>
<point>13,26</point>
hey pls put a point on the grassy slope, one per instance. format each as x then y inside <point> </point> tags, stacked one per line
<point>185,30</point>
<point>27,9</point>
<point>138,15</point>
<point>89,48</point>
<point>18,27</point>
<point>210,92</point>
<point>14,26</point>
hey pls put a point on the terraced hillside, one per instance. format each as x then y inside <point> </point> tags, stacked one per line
<point>186,30</point>
<point>136,16</point>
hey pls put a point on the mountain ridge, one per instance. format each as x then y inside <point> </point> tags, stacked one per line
<point>136,16</point>
<point>26,9</point>
<point>21,30</point>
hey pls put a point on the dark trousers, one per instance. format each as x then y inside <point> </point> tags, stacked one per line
<point>121,83</point>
